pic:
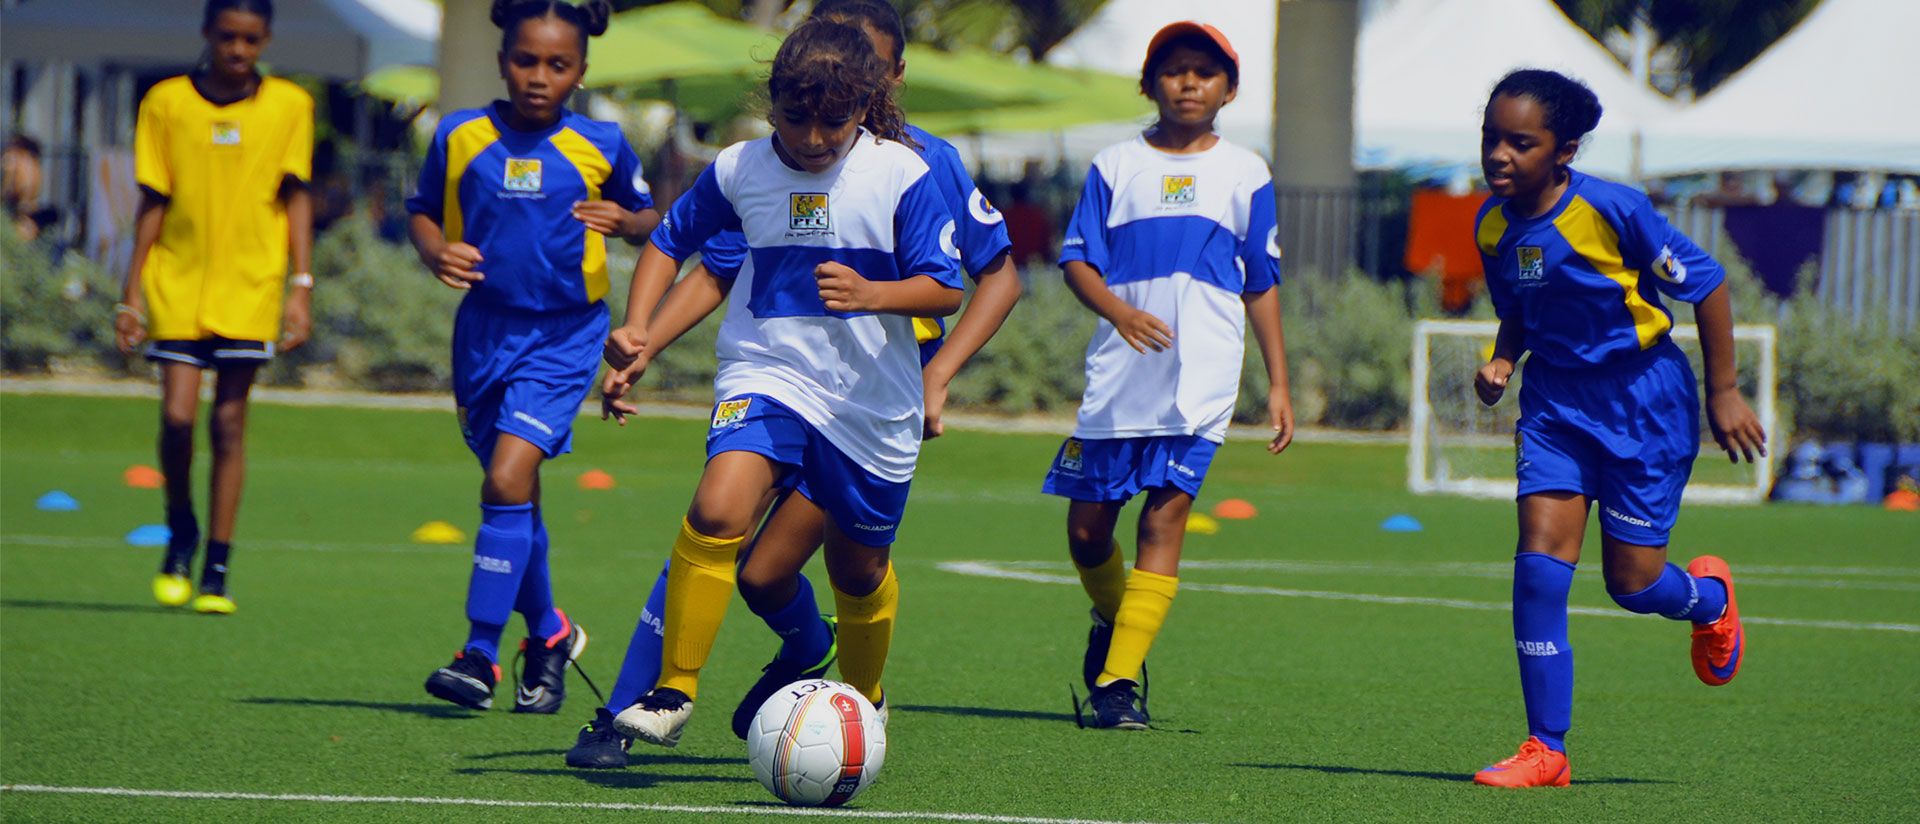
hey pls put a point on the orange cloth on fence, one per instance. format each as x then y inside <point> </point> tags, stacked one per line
<point>1440,241</point>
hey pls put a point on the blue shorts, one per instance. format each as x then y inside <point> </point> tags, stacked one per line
<point>1625,437</point>
<point>865,506</point>
<point>524,373</point>
<point>1116,469</point>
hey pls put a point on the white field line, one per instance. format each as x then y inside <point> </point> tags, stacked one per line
<point>715,809</point>
<point>993,570</point>
<point>1761,576</point>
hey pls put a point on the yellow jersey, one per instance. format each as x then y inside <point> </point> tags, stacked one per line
<point>220,264</point>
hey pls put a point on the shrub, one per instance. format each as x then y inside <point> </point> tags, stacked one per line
<point>51,311</point>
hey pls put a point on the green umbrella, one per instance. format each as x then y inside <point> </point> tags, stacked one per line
<point>407,85</point>
<point>1057,97</point>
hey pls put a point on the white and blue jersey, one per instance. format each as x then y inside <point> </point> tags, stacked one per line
<point>852,377</point>
<point>1183,237</point>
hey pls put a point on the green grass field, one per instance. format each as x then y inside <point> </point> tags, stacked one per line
<point>1288,686</point>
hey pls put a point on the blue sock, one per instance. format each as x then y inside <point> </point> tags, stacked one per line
<point>1540,585</point>
<point>804,635</point>
<point>535,601</point>
<point>500,553</point>
<point>1679,596</point>
<point>641,669</point>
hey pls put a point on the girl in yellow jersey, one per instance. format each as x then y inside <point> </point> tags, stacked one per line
<point>222,156</point>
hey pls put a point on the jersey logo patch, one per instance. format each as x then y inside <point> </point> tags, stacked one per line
<point>982,209</point>
<point>1670,267</point>
<point>226,133</point>
<point>1070,455</point>
<point>808,212</point>
<point>1533,263</point>
<point>946,241</point>
<point>523,174</point>
<point>1176,190</point>
<point>731,413</point>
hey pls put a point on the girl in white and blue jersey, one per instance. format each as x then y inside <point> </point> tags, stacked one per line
<point>1173,244</point>
<point>819,386</point>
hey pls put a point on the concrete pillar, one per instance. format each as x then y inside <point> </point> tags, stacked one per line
<point>469,45</point>
<point>1314,42</point>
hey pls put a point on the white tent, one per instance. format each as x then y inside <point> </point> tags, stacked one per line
<point>1835,93</point>
<point>343,39</point>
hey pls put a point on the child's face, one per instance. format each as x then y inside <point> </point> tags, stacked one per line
<point>543,66</point>
<point>1190,86</point>
<point>814,140</point>
<point>235,41</point>
<point>1518,154</point>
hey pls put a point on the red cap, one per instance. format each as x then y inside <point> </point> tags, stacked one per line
<point>1186,27</point>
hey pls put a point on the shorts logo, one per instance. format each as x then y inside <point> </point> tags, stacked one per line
<point>1182,469</point>
<point>1070,455</point>
<point>808,212</point>
<point>226,133</point>
<point>466,431</point>
<point>731,413</point>
<point>523,174</point>
<point>1533,263</point>
<point>1625,518</point>
<point>874,527</point>
<point>1176,190</point>
<point>532,421</point>
<point>982,209</point>
<point>1520,462</point>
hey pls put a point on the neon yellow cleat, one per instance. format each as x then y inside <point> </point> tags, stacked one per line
<point>211,604</point>
<point>172,590</point>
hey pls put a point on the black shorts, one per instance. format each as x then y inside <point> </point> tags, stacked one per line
<point>211,353</point>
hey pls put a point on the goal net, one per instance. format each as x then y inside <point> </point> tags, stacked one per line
<point>1459,447</point>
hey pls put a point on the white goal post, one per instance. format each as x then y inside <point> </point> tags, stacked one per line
<point>1458,447</point>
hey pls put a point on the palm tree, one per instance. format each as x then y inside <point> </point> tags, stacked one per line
<point>1713,38</point>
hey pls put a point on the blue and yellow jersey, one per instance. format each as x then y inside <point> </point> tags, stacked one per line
<point>510,194</point>
<point>1585,278</point>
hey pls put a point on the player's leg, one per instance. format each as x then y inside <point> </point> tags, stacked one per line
<point>867,595</point>
<point>1103,575</point>
<point>773,586</point>
<point>553,640</point>
<point>226,430</point>
<point>1150,589</point>
<point>501,548</point>
<point>179,407</point>
<point>1552,525</point>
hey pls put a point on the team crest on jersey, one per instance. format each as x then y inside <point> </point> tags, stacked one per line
<point>1071,455</point>
<point>1176,190</point>
<point>1533,262</point>
<point>523,174</point>
<point>808,212</point>
<point>731,413</point>
<point>982,209</point>
<point>226,133</point>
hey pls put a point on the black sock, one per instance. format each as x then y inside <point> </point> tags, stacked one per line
<point>213,576</point>
<point>183,540</point>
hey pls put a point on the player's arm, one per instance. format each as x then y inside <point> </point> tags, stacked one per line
<point>652,276</point>
<point>130,316</point>
<point>1735,428</point>
<point>1263,314</point>
<point>920,296</point>
<point>687,303</point>
<point>613,220</point>
<point>1137,327</point>
<point>1508,344</point>
<point>298,320</point>
<point>994,294</point>
<point>455,264</point>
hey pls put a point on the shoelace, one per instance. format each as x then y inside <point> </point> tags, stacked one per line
<point>1529,751</point>
<point>521,655</point>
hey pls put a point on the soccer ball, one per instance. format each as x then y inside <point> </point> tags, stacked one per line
<point>816,743</point>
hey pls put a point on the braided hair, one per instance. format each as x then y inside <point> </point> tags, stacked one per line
<point>589,18</point>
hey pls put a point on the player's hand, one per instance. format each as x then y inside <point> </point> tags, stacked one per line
<point>625,345</point>
<point>936,404</point>
<point>1491,381</point>
<point>129,327</point>
<point>297,323</point>
<point>844,290</point>
<point>1280,416</point>
<point>613,390</point>
<point>454,266</point>
<point>1142,331</point>
<point>603,216</point>
<point>1735,428</point>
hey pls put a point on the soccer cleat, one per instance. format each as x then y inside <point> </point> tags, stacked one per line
<point>468,681</point>
<point>657,718</point>
<point>880,710</point>
<point>172,589</point>
<point>542,684</point>
<point>600,746</point>
<point>214,603</point>
<point>777,674</point>
<point>1115,707</point>
<point>1535,765</point>
<point>1718,645</point>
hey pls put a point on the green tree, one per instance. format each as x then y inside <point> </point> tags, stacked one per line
<point>1714,38</point>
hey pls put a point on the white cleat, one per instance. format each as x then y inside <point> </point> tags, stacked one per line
<point>657,718</point>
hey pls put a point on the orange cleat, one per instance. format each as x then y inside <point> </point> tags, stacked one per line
<point>1535,765</point>
<point>1718,646</point>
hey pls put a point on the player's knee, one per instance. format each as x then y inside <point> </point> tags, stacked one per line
<point>228,426</point>
<point>761,589</point>
<point>176,421</point>
<point>717,521</point>
<point>505,487</point>
<point>1622,583</point>
<point>857,574</point>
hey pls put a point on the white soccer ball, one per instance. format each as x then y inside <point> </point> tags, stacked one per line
<point>816,743</point>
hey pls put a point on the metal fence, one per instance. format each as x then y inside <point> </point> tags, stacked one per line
<point>1868,267</point>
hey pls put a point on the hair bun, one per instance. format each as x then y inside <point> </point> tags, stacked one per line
<point>597,14</point>
<point>502,12</point>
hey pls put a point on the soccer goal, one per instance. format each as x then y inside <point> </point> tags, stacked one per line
<point>1459,447</point>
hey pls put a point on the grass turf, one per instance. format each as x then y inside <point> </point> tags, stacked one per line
<point>1271,706</point>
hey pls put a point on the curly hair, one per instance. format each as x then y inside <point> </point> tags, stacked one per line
<point>878,15</point>
<point>589,18</point>
<point>831,69</point>
<point>1572,109</point>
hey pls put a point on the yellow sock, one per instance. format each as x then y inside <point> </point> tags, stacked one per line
<point>699,587</point>
<point>1106,584</point>
<point>1149,596</point>
<point>866,631</point>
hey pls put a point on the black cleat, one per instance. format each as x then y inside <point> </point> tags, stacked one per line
<point>1116,707</point>
<point>468,681</point>
<point>542,682</point>
<point>778,674</point>
<point>600,746</point>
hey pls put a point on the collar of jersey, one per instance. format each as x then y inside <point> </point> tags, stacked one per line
<point>494,113</point>
<point>862,136</point>
<point>1574,179</point>
<point>1156,151</point>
